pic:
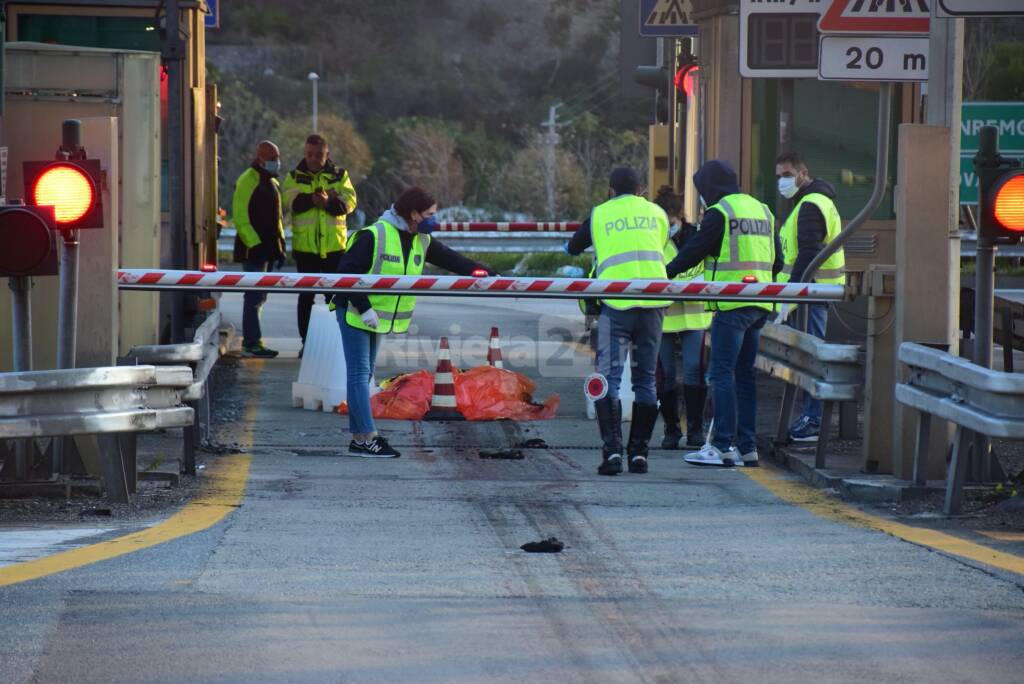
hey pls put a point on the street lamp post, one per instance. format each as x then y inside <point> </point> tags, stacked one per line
<point>315,80</point>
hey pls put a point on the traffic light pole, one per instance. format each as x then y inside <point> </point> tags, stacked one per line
<point>173,55</point>
<point>984,296</point>
<point>672,47</point>
<point>67,317</point>
<point>21,336</point>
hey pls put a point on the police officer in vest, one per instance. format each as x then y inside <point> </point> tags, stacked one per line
<point>320,195</point>
<point>736,241</point>
<point>628,234</point>
<point>685,326</point>
<point>813,224</point>
<point>398,244</point>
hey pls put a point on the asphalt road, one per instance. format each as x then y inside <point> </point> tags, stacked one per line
<point>345,570</point>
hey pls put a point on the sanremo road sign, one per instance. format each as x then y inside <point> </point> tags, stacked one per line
<point>980,8</point>
<point>876,16</point>
<point>779,38</point>
<point>667,18</point>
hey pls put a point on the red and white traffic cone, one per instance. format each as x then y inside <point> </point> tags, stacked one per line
<point>494,350</point>
<point>442,403</point>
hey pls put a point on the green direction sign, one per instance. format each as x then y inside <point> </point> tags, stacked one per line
<point>1008,118</point>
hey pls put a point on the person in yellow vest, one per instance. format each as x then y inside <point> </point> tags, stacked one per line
<point>813,223</point>
<point>685,326</point>
<point>319,195</point>
<point>259,237</point>
<point>398,244</point>
<point>628,234</point>
<point>736,241</point>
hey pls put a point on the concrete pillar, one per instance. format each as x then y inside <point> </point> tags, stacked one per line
<point>927,274</point>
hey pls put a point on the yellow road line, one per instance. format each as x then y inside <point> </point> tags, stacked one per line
<point>825,506</point>
<point>218,497</point>
<point>1003,536</point>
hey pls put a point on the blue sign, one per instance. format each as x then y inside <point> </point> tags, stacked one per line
<point>212,20</point>
<point>667,18</point>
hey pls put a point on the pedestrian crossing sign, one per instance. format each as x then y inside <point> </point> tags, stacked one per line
<point>667,18</point>
<point>876,16</point>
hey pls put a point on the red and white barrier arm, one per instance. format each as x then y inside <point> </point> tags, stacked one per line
<point>525,227</point>
<point>497,286</point>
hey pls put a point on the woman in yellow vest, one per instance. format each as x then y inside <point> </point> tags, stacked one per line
<point>683,338</point>
<point>398,244</point>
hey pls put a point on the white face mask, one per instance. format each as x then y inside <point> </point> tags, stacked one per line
<point>788,187</point>
<point>673,228</point>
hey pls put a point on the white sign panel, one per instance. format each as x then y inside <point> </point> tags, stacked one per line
<point>980,8</point>
<point>873,58</point>
<point>779,38</point>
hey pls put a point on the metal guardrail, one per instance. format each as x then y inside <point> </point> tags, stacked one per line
<point>210,342</point>
<point>975,399</point>
<point>112,403</point>
<point>832,373</point>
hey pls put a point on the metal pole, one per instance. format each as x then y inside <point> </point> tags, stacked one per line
<point>67,305</point>
<point>21,337</point>
<point>173,55</point>
<point>673,107</point>
<point>21,321</point>
<point>881,178</point>
<point>315,78</point>
<point>984,297</point>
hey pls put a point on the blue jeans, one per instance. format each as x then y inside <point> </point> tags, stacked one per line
<point>817,321</point>
<point>692,355</point>
<point>618,332</point>
<point>734,338</point>
<point>252,304</point>
<point>360,357</point>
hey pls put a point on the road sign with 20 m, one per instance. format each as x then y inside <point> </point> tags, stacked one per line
<point>873,58</point>
<point>667,18</point>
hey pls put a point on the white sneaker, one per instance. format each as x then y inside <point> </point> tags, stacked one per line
<point>711,456</point>
<point>749,460</point>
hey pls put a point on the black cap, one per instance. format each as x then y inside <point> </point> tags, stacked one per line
<point>623,181</point>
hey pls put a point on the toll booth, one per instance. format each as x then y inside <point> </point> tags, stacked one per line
<point>128,27</point>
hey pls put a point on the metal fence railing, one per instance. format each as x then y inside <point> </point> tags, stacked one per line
<point>975,399</point>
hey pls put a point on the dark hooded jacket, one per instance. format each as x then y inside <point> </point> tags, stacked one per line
<point>810,227</point>
<point>715,180</point>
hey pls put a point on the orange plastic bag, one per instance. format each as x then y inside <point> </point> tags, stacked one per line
<point>488,393</point>
<point>482,393</point>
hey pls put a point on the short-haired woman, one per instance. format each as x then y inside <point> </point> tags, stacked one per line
<point>398,244</point>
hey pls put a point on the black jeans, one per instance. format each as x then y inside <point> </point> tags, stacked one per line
<point>308,262</point>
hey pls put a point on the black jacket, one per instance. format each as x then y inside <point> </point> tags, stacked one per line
<point>359,259</point>
<point>715,180</point>
<point>264,214</point>
<point>811,229</point>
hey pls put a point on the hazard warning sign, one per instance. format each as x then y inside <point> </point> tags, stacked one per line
<point>876,16</point>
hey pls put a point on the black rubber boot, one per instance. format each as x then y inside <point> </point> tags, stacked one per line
<point>644,417</point>
<point>695,396</point>
<point>609,421</point>
<point>669,401</point>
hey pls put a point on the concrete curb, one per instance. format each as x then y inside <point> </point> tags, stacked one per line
<point>850,487</point>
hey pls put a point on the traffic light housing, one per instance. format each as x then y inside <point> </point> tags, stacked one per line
<point>28,244</point>
<point>1001,201</point>
<point>660,79</point>
<point>71,187</point>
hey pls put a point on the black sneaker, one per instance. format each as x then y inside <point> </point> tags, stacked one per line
<point>259,351</point>
<point>610,465</point>
<point>638,464</point>
<point>377,447</point>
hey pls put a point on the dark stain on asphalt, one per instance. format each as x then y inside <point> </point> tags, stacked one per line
<point>549,545</point>
<point>502,454</point>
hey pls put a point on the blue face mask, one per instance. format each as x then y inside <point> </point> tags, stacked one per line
<point>272,166</point>
<point>427,226</point>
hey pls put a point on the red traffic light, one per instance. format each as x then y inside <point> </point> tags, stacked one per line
<point>686,79</point>
<point>1008,202</point>
<point>27,244</point>
<point>70,187</point>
